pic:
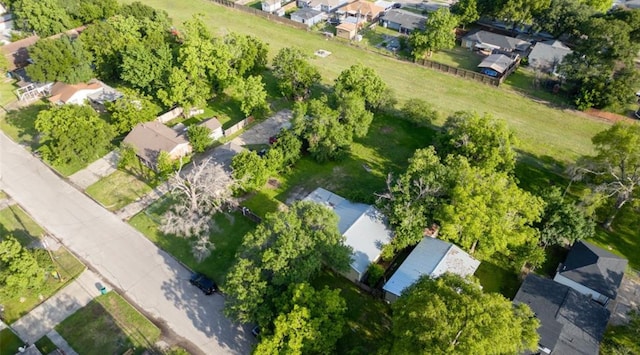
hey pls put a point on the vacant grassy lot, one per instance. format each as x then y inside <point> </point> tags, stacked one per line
<point>14,221</point>
<point>118,190</point>
<point>227,237</point>
<point>543,130</point>
<point>108,325</point>
<point>368,318</point>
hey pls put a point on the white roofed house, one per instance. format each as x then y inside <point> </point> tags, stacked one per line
<point>363,226</point>
<point>431,257</point>
<point>547,55</point>
<point>307,16</point>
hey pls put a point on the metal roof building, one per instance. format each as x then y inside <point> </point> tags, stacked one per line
<point>363,226</point>
<point>431,257</point>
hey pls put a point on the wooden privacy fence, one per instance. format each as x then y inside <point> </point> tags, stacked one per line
<point>238,126</point>
<point>268,16</point>
<point>460,72</point>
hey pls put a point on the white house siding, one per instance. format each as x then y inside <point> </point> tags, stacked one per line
<point>581,288</point>
<point>80,97</point>
<point>216,134</point>
<point>180,150</point>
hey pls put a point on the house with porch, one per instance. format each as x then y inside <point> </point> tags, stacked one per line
<point>94,91</point>
<point>403,21</point>
<point>364,227</point>
<point>484,40</point>
<point>359,11</point>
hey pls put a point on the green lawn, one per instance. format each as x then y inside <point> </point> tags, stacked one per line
<point>14,221</point>
<point>368,318</point>
<point>118,190</point>
<point>543,130</point>
<point>495,278</point>
<point>227,237</point>
<point>523,81</point>
<point>458,57</point>
<point>7,94</point>
<point>108,325</point>
<point>9,342</point>
<point>45,345</point>
<point>224,107</point>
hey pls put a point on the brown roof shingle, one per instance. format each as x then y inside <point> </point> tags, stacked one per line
<point>151,138</point>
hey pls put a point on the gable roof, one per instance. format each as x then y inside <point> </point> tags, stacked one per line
<point>497,62</point>
<point>363,8</point>
<point>150,138</point>
<point>363,226</point>
<point>17,53</point>
<point>497,40</point>
<point>548,52</point>
<point>330,3</point>
<point>432,257</point>
<point>594,268</point>
<point>212,123</point>
<point>347,26</point>
<point>306,13</point>
<point>570,322</point>
<point>63,92</point>
<point>405,18</point>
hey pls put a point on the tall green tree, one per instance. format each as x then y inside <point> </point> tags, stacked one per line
<point>288,247</point>
<point>142,12</point>
<point>250,170</point>
<point>294,73</point>
<point>252,95</point>
<point>486,212</point>
<point>486,142</point>
<point>451,315</point>
<point>183,91</point>
<point>411,199</point>
<point>248,54</point>
<point>143,65</point>
<point>466,11</point>
<point>562,221</point>
<point>438,34</point>
<point>129,110</point>
<point>199,137</point>
<point>563,17</point>
<point>419,112</point>
<point>308,322</point>
<point>19,269</point>
<point>615,169</point>
<point>62,59</point>
<point>362,82</point>
<point>72,133</point>
<point>521,11</point>
<point>45,17</point>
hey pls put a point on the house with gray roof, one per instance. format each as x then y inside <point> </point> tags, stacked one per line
<point>495,65</point>
<point>570,323</point>
<point>403,21</point>
<point>431,257</point>
<point>489,41</point>
<point>592,271</point>
<point>307,16</point>
<point>548,55</point>
<point>149,139</point>
<point>364,227</point>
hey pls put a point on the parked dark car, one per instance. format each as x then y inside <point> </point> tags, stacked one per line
<point>204,283</point>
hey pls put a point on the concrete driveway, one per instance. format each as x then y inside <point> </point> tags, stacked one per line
<point>144,274</point>
<point>627,300</point>
<point>96,170</point>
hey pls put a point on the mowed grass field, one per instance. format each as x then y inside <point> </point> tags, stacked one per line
<point>542,130</point>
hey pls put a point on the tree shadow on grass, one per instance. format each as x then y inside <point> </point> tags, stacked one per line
<point>536,173</point>
<point>23,120</point>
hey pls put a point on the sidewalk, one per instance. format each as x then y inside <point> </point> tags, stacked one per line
<point>62,344</point>
<point>64,303</point>
<point>96,171</point>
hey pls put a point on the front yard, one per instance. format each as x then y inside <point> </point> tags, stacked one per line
<point>109,325</point>
<point>14,221</point>
<point>118,190</point>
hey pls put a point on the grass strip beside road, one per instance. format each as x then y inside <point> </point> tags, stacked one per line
<point>108,325</point>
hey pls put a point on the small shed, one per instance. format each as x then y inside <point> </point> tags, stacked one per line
<point>431,257</point>
<point>215,126</point>
<point>495,65</point>
<point>347,30</point>
<point>307,16</point>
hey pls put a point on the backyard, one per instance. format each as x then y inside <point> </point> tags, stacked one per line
<point>14,221</point>
<point>108,325</point>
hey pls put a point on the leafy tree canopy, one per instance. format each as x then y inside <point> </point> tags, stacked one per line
<point>563,17</point>
<point>466,11</point>
<point>63,59</point>
<point>485,141</point>
<point>438,34</point>
<point>72,133</point>
<point>288,247</point>
<point>363,82</point>
<point>199,137</point>
<point>45,17</point>
<point>129,110</point>
<point>19,269</point>
<point>250,170</point>
<point>308,322</point>
<point>248,54</point>
<point>419,112</point>
<point>562,221</point>
<point>143,66</point>
<point>294,73</point>
<point>252,95</point>
<point>451,315</point>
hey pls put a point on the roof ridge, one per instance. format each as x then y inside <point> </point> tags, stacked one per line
<point>444,255</point>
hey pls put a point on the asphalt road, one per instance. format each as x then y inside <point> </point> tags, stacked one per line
<point>146,275</point>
